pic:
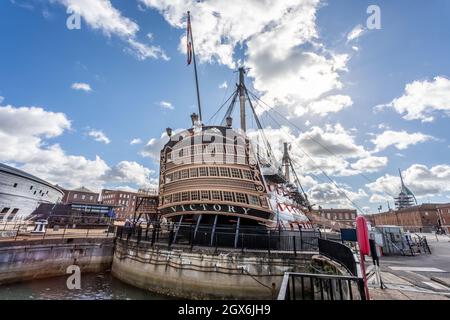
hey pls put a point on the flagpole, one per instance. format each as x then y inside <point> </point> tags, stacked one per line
<point>195,69</point>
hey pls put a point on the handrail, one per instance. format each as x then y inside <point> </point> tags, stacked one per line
<point>332,287</point>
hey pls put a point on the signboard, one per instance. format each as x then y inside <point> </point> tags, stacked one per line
<point>214,208</point>
<point>349,235</point>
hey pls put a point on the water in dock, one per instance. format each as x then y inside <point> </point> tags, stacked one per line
<point>93,287</point>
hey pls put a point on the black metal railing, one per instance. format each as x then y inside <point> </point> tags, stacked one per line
<point>310,286</point>
<point>339,253</point>
<point>223,236</point>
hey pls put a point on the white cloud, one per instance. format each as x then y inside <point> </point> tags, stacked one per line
<point>356,32</point>
<point>25,135</point>
<point>399,139</point>
<point>166,105</point>
<point>153,147</point>
<point>102,15</point>
<point>420,179</point>
<point>421,99</point>
<point>330,104</point>
<point>355,48</point>
<point>370,164</point>
<point>1,99</point>
<point>224,85</point>
<point>136,141</point>
<point>99,136</point>
<point>126,171</point>
<point>327,149</point>
<point>328,195</point>
<point>289,66</point>
<point>143,51</point>
<point>81,86</point>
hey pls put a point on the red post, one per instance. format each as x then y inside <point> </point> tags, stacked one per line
<point>364,247</point>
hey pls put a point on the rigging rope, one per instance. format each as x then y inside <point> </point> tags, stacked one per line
<point>304,152</point>
<point>314,140</point>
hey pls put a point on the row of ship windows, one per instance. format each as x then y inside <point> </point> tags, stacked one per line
<point>215,195</point>
<point>41,193</point>
<point>210,149</point>
<point>209,172</point>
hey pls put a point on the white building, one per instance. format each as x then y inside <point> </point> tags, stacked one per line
<point>21,193</point>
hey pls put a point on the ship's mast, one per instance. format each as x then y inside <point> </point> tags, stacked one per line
<point>286,162</point>
<point>242,98</point>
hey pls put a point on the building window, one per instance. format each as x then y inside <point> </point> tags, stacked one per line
<point>203,172</point>
<point>247,174</point>
<point>169,178</point>
<point>224,172</point>
<point>213,171</point>
<point>194,195</point>
<point>184,174</point>
<point>31,187</point>
<point>83,197</point>
<point>215,195</point>
<point>15,185</point>
<point>347,216</point>
<point>254,200</point>
<point>5,210</point>
<point>228,196</point>
<point>235,173</point>
<point>15,210</point>
<point>185,196</point>
<point>204,194</point>
<point>193,172</point>
<point>176,175</point>
<point>176,197</point>
<point>168,199</point>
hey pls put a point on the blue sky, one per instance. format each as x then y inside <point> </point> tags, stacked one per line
<point>330,87</point>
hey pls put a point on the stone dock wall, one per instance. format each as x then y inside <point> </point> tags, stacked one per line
<point>28,260</point>
<point>205,273</point>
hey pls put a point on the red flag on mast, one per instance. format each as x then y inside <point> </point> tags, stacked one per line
<point>189,39</point>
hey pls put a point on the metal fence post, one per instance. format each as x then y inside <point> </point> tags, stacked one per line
<point>295,246</point>
<point>87,233</point>
<point>301,240</point>
<point>64,232</point>
<point>268,246</point>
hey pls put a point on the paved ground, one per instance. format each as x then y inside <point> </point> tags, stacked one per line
<point>421,277</point>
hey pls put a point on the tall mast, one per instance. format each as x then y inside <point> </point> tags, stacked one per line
<point>189,35</point>
<point>286,162</point>
<point>242,98</point>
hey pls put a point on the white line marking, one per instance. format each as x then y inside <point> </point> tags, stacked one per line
<point>417,269</point>
<point>435,285</point>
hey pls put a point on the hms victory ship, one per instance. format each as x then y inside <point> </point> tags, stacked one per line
<point>214,176</point>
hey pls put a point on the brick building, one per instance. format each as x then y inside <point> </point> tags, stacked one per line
<point>124,201</point>
<point>419,218</point>
<point>444,216</point>
<point>80,195</point>
<point>344,217</point>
